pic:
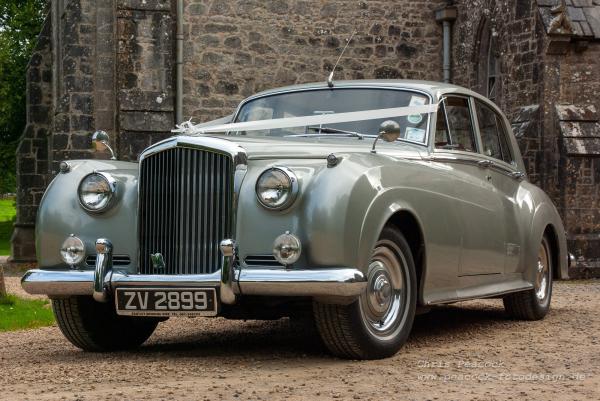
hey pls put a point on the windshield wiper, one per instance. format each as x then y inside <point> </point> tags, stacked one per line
<point>326,130</point>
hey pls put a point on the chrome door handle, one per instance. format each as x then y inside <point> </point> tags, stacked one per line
<point>485,163</point>
<point>517,176</point>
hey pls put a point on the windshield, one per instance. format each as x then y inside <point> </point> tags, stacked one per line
<point>331,101</point>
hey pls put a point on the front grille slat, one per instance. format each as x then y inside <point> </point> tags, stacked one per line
<point>185,204</point>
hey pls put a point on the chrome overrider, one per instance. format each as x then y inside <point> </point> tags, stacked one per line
<point>231,280</point>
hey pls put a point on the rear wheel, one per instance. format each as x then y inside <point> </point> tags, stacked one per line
<point>95,326</point>
<point>534,304</point>
<point>377,324</point>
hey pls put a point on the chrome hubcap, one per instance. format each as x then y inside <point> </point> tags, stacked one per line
<point>383,301</point>
<point>541,285</point>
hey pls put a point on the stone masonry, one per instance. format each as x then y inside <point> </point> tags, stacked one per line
<point>110,65</point>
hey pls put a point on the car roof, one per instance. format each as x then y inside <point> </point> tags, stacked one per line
<point>431,87</point>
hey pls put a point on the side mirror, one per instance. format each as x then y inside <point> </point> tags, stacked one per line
<point>100,142</point>
<point>389,131</point>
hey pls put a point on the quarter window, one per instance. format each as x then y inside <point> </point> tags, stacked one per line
<point>459,132</point>
<point>493,136</point>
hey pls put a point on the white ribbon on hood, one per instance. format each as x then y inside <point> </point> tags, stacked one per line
<point>188,128</point>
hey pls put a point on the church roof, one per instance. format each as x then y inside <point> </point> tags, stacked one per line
<point>576,18</point>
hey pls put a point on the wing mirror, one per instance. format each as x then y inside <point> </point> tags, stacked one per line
<point>100,142</point>
<point>389,131</point>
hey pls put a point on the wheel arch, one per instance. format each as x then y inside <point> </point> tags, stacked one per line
<point>405,219</point>
<point>547,222</point>
<point>551,234</point>
<point>409,226</point>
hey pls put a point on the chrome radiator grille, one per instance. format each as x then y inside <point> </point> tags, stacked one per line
<point>185,198</point>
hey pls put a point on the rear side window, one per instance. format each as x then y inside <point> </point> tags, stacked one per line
<point>459,135</point>
<point>493,135</point>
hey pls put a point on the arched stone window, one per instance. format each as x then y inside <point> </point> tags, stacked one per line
<point>487,61</point>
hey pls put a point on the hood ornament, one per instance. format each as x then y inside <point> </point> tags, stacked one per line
<point>330,78</point>
<point>157,261</point>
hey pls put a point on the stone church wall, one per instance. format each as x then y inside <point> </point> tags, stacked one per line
<point>234,49</point>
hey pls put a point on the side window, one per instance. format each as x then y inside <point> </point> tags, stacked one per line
<point>504,144</point>
<point>493,137</point>
<point>441,128</point>
<point>459,135</point>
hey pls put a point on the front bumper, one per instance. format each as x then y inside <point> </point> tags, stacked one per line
<point>230,280</point>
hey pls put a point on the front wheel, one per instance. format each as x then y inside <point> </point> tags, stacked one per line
<point>534,304</point>
<point>95,326</point>
<point>377,324</point>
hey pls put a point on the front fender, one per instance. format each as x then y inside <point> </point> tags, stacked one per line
<point>60,214</point>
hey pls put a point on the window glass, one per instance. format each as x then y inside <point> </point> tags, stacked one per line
<point>506,153</point>
<point>441,129</point>
<point>493,136</point>
<point>334,101</point>
<point>460,136</point>
<point>489,131</point>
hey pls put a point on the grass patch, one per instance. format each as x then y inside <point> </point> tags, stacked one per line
<point>8,213</point>
<point>18,313</point>
<point>8,210</point>
<point>6,231</point>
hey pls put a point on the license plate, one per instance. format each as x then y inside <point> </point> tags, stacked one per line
<point>166,302</point>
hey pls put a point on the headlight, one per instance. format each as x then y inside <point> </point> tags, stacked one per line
<point>72,250</point>
<point>277,188</point>
<point>287,249</point>
<point>97,192</point>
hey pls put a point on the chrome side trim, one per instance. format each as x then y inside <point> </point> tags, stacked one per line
<point>229,251</point>
<point>481,164</point>
<point>104,248</point>
<point>451,300</point>
<point>572,262</point>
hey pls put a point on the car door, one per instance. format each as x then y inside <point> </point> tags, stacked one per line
<point>505,178</point>
<point>482,227</point>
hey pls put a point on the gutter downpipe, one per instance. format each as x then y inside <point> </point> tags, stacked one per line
<point>446,15</point>
<point>447,33</point>
<point>179,64</point>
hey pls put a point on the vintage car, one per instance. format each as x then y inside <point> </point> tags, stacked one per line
<point>291,207</point>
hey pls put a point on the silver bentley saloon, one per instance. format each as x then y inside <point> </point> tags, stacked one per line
<point>355,203</point>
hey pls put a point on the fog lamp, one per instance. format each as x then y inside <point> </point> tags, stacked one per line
<point>72,250</point>
<point>287,249</point>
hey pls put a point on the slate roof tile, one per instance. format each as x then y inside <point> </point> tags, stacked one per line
<point>576,14</point>
<point>551,3</point>
<point>587,31</point>
<point>592,15</point>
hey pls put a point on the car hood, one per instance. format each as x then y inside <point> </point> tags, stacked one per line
<point>317,148</point>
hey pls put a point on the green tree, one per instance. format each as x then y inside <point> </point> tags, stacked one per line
<point>20,23</point>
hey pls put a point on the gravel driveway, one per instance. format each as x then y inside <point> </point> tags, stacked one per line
<point>475,351</point>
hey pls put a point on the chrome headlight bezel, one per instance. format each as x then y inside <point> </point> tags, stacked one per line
<point>112,198</point>
<point>292,194</point>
